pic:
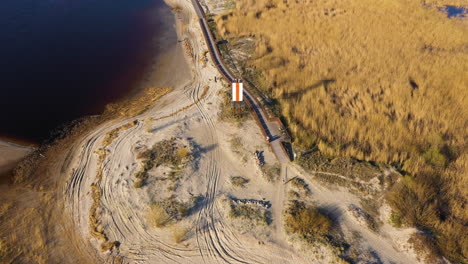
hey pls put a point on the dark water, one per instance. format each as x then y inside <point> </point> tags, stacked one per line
<point>455,11</point>
<point>63,59</point>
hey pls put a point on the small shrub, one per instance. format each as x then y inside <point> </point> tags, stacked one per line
<point>425,247</point>
<point>306,221</point>
<point>183,153</point>
<point>138,183</point>
<point>271,173</point>
<point>179,234</point>
<point>239,181</point>
<point>164,152</point>
<point>301,184</point>
<point>157,216</point>
<point>249,212</point>
<point>395,220</point>
<point>106,246</point>
<point>236,143</point>
<point>294,195</point>
<point>434,157</point>
<point>176,210</point>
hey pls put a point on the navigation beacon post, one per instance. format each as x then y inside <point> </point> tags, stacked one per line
<point>237,101</point>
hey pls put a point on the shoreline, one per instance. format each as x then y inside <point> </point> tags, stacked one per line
<point>11,153</point>
<point>155,32</point>
<point>155,75</point>
<point>169,68</point>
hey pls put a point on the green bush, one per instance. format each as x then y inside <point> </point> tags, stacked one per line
<point>434,157</point>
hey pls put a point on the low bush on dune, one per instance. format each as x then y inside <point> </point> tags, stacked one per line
<point>423,201</point>
<point>239,181</point>
<point>271,172</point>
<point>230,113</point>
<point>253,213</point>
<point>166,152</point>
<point>179,233</point>
<point>157,215</point>
<point>306,221</point>
<point>301,185</point>
<point>171,210</point>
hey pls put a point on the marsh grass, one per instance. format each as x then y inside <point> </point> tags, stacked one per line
<point>373,80</point>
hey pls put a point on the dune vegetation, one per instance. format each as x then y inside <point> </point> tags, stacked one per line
<point>382,81</point>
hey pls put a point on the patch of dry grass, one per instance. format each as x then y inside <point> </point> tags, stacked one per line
<point>167,152</point>
<point>374,80</point>
<point>256,214</point>
<point>168,211</point>
<point>271,172</point>
<point>157,216</point>
<point>424,247</point>
<point>306,221</point>
<point>229,113</point>
<point>179,233</point>
<point>239,181</point>
<point>301,185</point>
<point>8,253</point>
<point>136,106</point>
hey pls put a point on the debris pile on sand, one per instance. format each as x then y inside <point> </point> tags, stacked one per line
<point>265,204</point>
<point>259,162</point>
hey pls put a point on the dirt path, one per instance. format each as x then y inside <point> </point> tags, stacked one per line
<point>278,207</point>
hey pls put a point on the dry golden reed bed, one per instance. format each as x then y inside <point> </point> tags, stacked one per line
<point>375,80</point>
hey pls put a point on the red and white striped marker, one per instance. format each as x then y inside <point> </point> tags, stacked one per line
<point>237,90</point>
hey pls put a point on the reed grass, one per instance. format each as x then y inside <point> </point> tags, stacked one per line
<point>374,80</point>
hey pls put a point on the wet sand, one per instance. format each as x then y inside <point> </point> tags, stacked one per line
<point>10,155</point>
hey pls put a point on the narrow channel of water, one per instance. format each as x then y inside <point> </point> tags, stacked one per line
<point>64,59</point>
<point>455,11</point>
